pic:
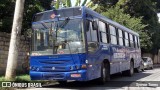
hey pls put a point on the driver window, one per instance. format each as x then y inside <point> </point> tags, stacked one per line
<point>91,38</point>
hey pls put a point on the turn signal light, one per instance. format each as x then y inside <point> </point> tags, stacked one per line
<point>84,66</point>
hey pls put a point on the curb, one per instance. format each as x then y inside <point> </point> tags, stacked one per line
<point>156,65</point>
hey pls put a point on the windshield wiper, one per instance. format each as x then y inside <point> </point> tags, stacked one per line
<point>65,22</point>
<point>55,45</point>
<point>56,31</point>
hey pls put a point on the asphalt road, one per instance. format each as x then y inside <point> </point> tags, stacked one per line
<point>147,80</point>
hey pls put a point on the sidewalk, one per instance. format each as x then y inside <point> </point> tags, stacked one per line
<point>156,65</point>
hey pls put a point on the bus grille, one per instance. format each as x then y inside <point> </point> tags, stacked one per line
<point>55,62</point>
<point>50,68</point>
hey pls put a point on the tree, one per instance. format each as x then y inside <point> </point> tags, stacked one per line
<point>46,4</point>
<point>117,14</point>
<point>148,9</point>
<point>78,3</point>
<point>6,13</point>
<point>30,8</point>
<point>57,4</point>
<point>84,2</point>
<point>68,3</point>
<point>14,42</point>
<point>158,5</point>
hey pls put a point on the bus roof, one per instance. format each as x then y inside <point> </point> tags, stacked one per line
<point>85,10</point>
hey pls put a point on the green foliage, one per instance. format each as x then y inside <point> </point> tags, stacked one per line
<point>46,4</point>
<point>57,4</point>
<point>78,3</point>
<point>6,15</point>
<point>84,2</point>
<point>68,3</point>
<point>31,7</point>
<point>117,14</point>
<point>21,78</point>
<point>103,5</point>
<point>158,5</point>
<point>148,9</point>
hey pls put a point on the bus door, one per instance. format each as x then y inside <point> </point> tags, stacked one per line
<point>93,49</point>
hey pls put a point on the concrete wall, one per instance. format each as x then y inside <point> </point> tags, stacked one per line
<point>23,52</point>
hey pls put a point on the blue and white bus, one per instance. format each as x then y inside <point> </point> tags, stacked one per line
<point>79,44</point>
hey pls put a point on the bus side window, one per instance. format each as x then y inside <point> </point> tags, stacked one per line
<point>92,38</point>
<point>120,37</point>
<point>108,33</point>
<point>89,38</point>
<point>102,29</point>
<point>93,33</point>
<point>113,35</point>
<point>138,45</point>
<point>123,37</point>
<point>131,40</point>
<point>126,39</point>
<point>135,41</point>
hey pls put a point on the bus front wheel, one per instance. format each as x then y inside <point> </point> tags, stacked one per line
<point>63,83</point>
<point>138,69</point>
<point>131,70</point>
<point>105,73</point>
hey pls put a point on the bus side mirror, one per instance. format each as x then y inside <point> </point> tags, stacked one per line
<point>95,25</point>
<point>92,47</point>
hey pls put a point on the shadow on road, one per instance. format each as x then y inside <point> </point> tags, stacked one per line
<point>117,80</point>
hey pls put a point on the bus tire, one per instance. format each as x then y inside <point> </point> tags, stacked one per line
<point>63,83</point>
<point>138,69</point>
<point>105,73</point>
<point>130,71</point>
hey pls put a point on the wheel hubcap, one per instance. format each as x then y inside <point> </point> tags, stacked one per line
<point>104,74</point>
<point>131,68</point>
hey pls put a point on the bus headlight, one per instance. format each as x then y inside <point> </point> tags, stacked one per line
<point>34,68</point>
<point>71,67</point>
<point>37,69</point>
<point>77,67</point>
<point>86,61</point>
<point>30,67</point>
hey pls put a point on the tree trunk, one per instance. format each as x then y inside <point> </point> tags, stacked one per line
<point>14,41</point>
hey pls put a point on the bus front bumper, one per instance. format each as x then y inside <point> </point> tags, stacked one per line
<point>79,75</point>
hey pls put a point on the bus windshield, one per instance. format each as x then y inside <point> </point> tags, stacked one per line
<point>59,37</point>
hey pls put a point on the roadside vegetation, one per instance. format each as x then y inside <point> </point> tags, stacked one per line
<point>20,78</point>
<point>23,79</point>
